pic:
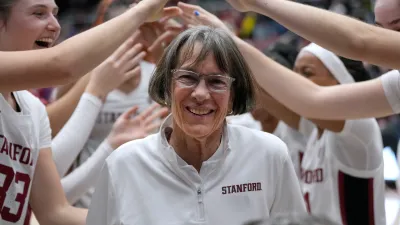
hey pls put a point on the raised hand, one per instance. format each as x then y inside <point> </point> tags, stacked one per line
<point>241,5</point>
<point>122,65</point>
<point>157,10</point>
<point>129,127</point>
<point>195,15</point>
<point>157,43</point>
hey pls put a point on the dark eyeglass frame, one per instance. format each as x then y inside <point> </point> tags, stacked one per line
<point>229,80</point>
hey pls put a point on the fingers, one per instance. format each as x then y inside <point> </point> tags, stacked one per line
<point>126,60</point>
<point>163,112</point>
<point>170,12</point>
<point>163,39</point>
<point>133,73</point>
<point>188,8</point>
<point>152,126</point>
<point>146,113</point>
<point>122,49</point>
<point>128,114</point>
<point>133,62</point>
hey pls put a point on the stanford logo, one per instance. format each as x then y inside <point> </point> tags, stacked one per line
<point>241,188</point>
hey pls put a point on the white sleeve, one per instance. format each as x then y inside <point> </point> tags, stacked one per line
<point>103,209</point>
<point>73,136</point>
<point>279,130</point>
<point>85,176</point>
<point>306,127</point>
<point>391,86</point>
<point>358,145</point>
<point>288,197</point>
<point>45,129</point>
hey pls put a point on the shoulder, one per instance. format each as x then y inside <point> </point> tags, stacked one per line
<point>136,150</point>
<point>361,128</point>
<point>33,103</point>
<point>246,139</point>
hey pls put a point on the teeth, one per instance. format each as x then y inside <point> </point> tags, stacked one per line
<point>200,111</point>
<point>47,40</point>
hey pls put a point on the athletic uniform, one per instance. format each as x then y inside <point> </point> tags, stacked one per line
<point>296,142</point>
<point>342,174</point>
<point>22,135</point>
<point>144,182</point>
<point>117,102</point>
<point>391,86</point>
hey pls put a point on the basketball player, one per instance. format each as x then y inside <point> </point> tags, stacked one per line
<point>74,57</point>
<point>131,92</point>
<point>343,35</point>
<point>28,171</point>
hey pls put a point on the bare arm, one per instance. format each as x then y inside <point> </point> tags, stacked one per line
<point>341,34</point>
<point>74,57</point>
<point>360,100</point>
<point>348,101</point>
<point>47,197</point>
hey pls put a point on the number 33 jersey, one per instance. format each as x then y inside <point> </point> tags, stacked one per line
<point>22,134</point>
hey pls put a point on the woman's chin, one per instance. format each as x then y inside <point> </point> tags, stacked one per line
<point>198,131</point>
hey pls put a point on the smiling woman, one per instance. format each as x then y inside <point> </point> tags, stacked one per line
<point>207,169</point>
<point>28,25</point>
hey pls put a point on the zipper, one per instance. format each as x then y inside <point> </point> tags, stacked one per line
<point>200,204</point>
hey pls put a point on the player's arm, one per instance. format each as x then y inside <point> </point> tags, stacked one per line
<point>341,34</point>
<point>47,197</point>
<point>348,101</point>
<point>61,109</point>
<point>76,56</point>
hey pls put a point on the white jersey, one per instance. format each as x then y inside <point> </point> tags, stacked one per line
<point>22,135</point>
<point>391,86</point>
<point>342,174</point>
<point>295,141</point>
<point>116,103</point>
<point>144,182</point>
<point>246,120</point>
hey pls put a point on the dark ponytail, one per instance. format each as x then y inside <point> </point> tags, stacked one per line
<point>356,69</point>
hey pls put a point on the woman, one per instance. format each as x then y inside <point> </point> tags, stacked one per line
<point>198,168</point>
<point>343,35</point>
<point>74,57</point>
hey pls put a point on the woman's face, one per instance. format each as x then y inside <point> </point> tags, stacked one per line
<point>197,111</point>
<point>32,24</point>
<point>312,68</point>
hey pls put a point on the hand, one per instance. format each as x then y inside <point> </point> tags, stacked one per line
<point>202,17</point>
<point>156,9</point>
<point>167,33</point>
<point>127,128</point>
<point>240,5</point>
<point>122,65</point>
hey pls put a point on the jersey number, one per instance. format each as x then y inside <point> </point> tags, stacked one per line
<point>10,175</point>
<point>307,200</point>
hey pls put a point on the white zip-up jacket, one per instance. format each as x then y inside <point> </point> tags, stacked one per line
<point>145,182</point>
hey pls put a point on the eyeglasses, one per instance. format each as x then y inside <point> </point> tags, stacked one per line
<point>190,79</point>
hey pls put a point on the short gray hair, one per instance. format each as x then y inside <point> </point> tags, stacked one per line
<point>294,220</point>
<point>228,58</point>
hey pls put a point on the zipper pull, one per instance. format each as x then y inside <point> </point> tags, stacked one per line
<point>199,197</point>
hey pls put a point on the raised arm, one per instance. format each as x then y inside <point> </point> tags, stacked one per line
<point>365,99</point>
<point>76,56</point>
<point>341,34</point>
